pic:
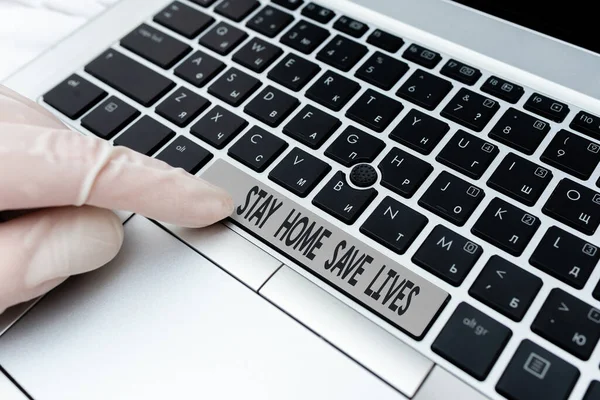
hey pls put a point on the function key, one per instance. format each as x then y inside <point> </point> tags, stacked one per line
<point>109,118</point>
<point>185,154</point>
<point>447,255</point>
<point>382,70</point>
<point>156,47</point>
<point>569,323</point>
<point>419,131</point>
<point>271,106</point>
<point>506,226</point>
<point>342,53</point>
<point>293,72</point>
<point>520,131</point>
<point>424,89</point>
<point>146,136</point>
<point>234,87</point>
<point>236,10</point>
<point>394,225</point>
<point>385,41</point>
<point>587,124</point>
<point>354,146</point>
<point>218,127</point>
<point>535,373</point>
<point>270,21</point>
<point>182,107</point>
<point>471,109</point>
<point>472,341</point>
<point>223,38</point>
<point>299,172</point>
<point>289,4</point>
<point>184,20</point>
<point>575,205</point>
<point>520,179</point>
<point>547,107</point>
<point>204,3</point>
<point>565,257</point>
<point>506,288</point>
<point>461,72</point>
<point>350,26</point>
<point>422,56</point>
<point>74,96</point>
<point>318,13</point>
<point>572,154</point>
<point>332,90</point>
<point>452,198</point>
<point>403,173</point>
<point>257,149</point>
<point>305,37</point>
<point>374,110</point>
<point>468,154</point>
<point>199,69</point>
<point>312,126</point>
<point>502,89</point>
<point>342,201</point>
<point>257,55</point>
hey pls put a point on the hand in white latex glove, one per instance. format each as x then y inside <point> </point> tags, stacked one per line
<point>70,182</point>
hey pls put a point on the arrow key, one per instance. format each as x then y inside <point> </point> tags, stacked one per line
<point>506,288</point>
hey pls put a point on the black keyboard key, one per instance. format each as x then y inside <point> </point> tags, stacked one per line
<point>223,38</point>
<point>593,392</point>
<point>520,131</point>
<point>182,107</point>
<point>572,154</point>
<point>354,146</point>
<point>385,41</point>
<point>350,26</point>
<point>569,323</point>
<point>506,288</point>
<point>155,46</point>
<point>289,4</point>
<point>236,10</point>
<point>394,225</point>
<point>305,37</point>
<point>184,20</point>
<point>472,341</point>
<point>422,56</point>
<point>218,127</point>
<point>340,200</point>
<point>271,106</point>
<point>318,13</point>
<point>146,136</point>
<point>257,55</point>
<point>204,3</point>
<point>199,69</point>
<point>468,154</point>
<point>534,373</point>
<point>342,53</point>
<point>520,179</point>
<point>109,118</point>
<point>74,96</point>
<point>257,149</point>
<point>270,21</point>
<point>293,72</point>
<point>596,292</point>
<point>403,173</point>
<point>461,72</point>
<point>419,131</point>
<point>574,205</point>
<point>447,255</point>
<point>506,226</point>
<point>312,127</point>
<point>185,154</point>
<point>374,110</point>
<point>547,107</point>
<point>452,198</point>
<point>502,89</point>
<point>382,70</point>
<point>565,257</point>
<point>471,109</point>
<point>587,124</point>
<point>234,87</point>
<point>130,77</point>
<point>299,172</point>
<point>424,89</point>
<point>332,90</point>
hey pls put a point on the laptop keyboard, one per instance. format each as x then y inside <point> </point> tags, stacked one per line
<point>493,185</point>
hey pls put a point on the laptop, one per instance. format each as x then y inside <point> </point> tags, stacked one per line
<point>417,204</point>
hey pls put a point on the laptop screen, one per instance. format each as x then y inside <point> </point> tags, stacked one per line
<point>572,21</point>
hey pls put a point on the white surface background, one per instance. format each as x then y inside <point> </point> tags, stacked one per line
<point>28,27</point>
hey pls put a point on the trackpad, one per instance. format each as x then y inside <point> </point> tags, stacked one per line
<point>162,322</point>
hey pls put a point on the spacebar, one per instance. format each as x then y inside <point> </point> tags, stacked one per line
<point>388,289</point>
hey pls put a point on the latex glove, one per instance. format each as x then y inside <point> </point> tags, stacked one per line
<point>70,182</point>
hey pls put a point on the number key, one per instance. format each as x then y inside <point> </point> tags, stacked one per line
<point>270,21</point>
<point>425,89</point>
<point>342,53</point>
<point>471,109</point>
<point>520,131</point>
<point>382,70</point>
<point>572,154</point>
<point>305,37</point>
